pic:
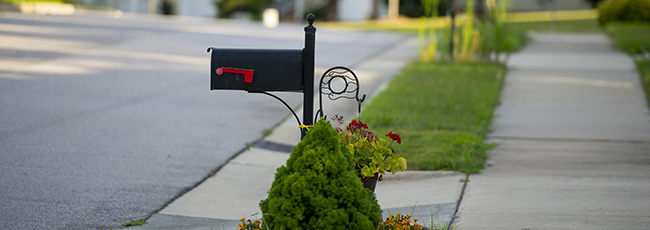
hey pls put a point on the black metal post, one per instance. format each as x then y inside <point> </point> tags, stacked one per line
<point>308,81</point>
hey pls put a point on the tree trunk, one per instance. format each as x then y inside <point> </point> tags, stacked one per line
<point>375,9</point>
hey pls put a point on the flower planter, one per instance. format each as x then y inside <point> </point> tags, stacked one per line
<point>371,182</point>
<point>369,152</point>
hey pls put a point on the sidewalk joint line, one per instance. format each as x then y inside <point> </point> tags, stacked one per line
<point>460,199</point>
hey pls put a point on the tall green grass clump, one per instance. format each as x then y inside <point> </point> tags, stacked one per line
<point>498,37</point>
<point>319,189</point>
<point>486,39</point>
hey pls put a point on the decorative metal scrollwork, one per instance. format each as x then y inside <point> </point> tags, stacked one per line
<point>338,82</point>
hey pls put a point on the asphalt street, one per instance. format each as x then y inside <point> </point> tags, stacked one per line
<point>104,120</point>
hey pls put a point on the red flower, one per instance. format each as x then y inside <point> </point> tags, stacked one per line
<point>395,137</point>
<point>363,125</point>
<point>356,125</point>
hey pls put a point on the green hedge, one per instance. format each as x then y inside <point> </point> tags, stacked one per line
<point>623,11</point>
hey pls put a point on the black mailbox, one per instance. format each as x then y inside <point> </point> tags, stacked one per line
<point>257,69</point>
<point>262,70</point>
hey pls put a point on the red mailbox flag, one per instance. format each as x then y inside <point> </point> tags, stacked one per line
<point>248,73</point>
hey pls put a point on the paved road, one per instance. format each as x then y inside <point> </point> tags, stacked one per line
<point>106,120</point>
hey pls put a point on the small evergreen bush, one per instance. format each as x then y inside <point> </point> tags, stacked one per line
<point>318,188</point>
<point>623,11</point>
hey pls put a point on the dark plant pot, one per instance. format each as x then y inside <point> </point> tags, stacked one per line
<point>369,183</point>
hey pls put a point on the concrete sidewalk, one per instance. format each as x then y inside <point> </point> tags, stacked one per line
<point>237,188</point>
<point>574,134</point>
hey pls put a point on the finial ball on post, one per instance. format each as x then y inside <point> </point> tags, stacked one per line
<point>311,18</point>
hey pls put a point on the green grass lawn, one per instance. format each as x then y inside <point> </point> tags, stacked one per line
<point>629,37</point>
<point>442,112</point>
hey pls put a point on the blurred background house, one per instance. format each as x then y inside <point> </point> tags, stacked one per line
<point>332,10</point>
<point>196,8</point>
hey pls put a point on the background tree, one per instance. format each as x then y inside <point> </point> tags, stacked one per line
<point>593,3</point>
<point>227,7</point>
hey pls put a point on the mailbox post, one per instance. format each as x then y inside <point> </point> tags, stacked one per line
<point>310,44</point>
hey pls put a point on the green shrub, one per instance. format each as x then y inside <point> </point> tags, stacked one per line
<point>227,7</point>
<point>623,11</point>
<point>318,188</point>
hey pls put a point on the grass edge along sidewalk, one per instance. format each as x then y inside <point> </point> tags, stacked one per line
<point>442,111</point>
<point>644,72</point>
<point>634,39</point>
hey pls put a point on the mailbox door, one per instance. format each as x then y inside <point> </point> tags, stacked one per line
<point>257,70</point>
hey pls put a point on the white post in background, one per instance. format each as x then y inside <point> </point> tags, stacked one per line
<point>393,8</point>
<point>298,10</point>
<point>151,6</point>
<point>271,17</point>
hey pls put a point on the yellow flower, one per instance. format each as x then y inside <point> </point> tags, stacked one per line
<point>242,219</point>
